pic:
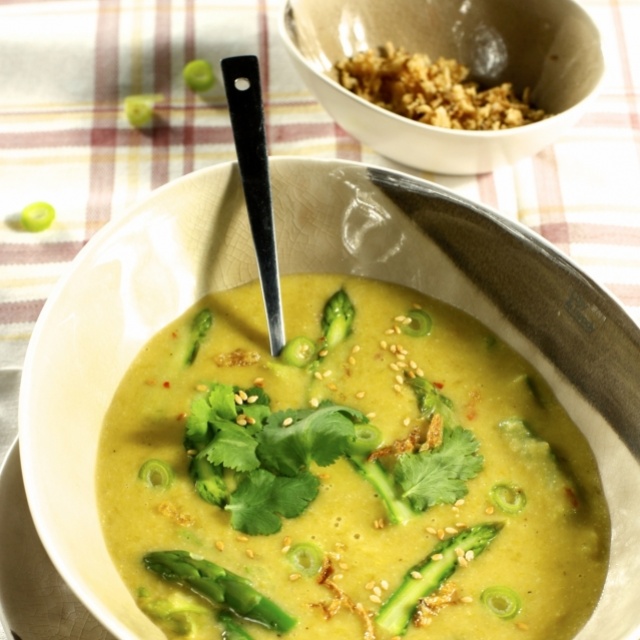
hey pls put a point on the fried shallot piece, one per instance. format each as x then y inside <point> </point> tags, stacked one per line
<point>341,599</point>
<point>430,606</point>
<point>237,358</point>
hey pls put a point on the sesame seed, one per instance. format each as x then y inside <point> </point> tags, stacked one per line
<point>323,352</point>
<point>327,373</point>
<point>252,399</point>
<point>461,525</point>
<point>393,348</point>
<point>459,552</point>
<point>242,538</point>
<point>371,415</point>
<point>258,382</point>
<point>377,590</point>
<point>466,599</point>
<point>389,332</point>
<point>317,375</point>
<point>356,348</point>
<point>397,387</point>
<point>384,584</point>
<point>343,565</point>
<point>432,531</point>
<point>237,398</point>
<point>338,576</point>
<point>375,598</point>
<point>383,344</point>
<point>399,379</point>
<point>489,510</point>
<point>400,318</point>
<point>451,530</point>
<point>294,576</point>
<point>401,356</point>
<point>314,402</point>
<point>470,555</point>
<point>437,556</point>
<point>201,387</point>
<point>332,386</point>
<point>416,575</point>
<point>360,395</point>
<point>219,545</point>
<point>413,364</point>
<point>463,562</point>
<point>243,394</point>
<point>241,420</point>
<point>406,422</point>
<point>459,502</point>
<point>420,372</point>
<point>394,367</point>
<point>441,534</point>
<point>250,553</point>
<point>287,422</point>
<point>250,420</point>
<point>369,586</point>
<point>523,626</point>
<point>397,329</point>
<point>351,360</point>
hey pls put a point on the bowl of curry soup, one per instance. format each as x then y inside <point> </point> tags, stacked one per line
<point>447,445</point>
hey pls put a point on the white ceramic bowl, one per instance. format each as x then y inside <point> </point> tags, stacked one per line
<point>551,46</point>
<point>192,236</point>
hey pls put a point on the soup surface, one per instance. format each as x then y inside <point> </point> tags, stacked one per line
<point>473,443</point>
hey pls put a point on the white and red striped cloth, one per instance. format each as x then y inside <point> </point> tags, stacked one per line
<point>66,65</point>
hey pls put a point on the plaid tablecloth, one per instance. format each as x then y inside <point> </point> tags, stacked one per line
<point>65,67</point>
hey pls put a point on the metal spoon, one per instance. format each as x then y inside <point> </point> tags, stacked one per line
<point>242,85</point>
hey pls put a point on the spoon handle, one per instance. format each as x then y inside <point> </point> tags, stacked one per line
<point>242,85</point>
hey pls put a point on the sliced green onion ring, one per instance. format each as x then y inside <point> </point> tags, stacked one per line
<point>156,474</point>
<point>299,352</point>
<point>367,438</point>
<point>420,324</point>
<point>306,558</point>
<point>503,602</point>
<point>139,109</point>
<point>509,498</point>
<point>37,216</point>
<point>198,74</point>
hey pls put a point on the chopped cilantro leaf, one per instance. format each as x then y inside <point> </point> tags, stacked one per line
<point>438,476</point>
<point>234,448</point>
<point>262,497</point>
<point>320,436</point>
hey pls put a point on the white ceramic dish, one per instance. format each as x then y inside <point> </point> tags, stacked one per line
<point>192,236</point>
<point>37,603</point>
<point>551,46</point>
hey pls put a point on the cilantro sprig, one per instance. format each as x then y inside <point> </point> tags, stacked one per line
<point>267,459</point>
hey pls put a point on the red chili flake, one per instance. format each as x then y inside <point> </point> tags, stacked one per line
<point>174,334</point>
<point>572,497</point>
<point>166,384</point>
<point>438,385</point>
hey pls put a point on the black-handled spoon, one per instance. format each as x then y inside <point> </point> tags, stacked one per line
<point>244,97</point>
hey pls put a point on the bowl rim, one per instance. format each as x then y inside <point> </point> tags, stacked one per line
<point>532,127</point>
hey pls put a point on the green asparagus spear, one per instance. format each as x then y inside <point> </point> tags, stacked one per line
<point>199,328</point>
<point>208,480</point>
<point>429,575</point>
<point>398,510</point>
<point>337,318</point>
<point>231,630</point>
<point>219,586</point>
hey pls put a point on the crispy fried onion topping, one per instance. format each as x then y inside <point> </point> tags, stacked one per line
<point>420,439</point>
<point>237,358</point>
<point>430,606</point>
<point>341,599</point>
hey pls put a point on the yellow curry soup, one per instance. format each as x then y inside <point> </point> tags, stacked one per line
<point>521,468</point>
